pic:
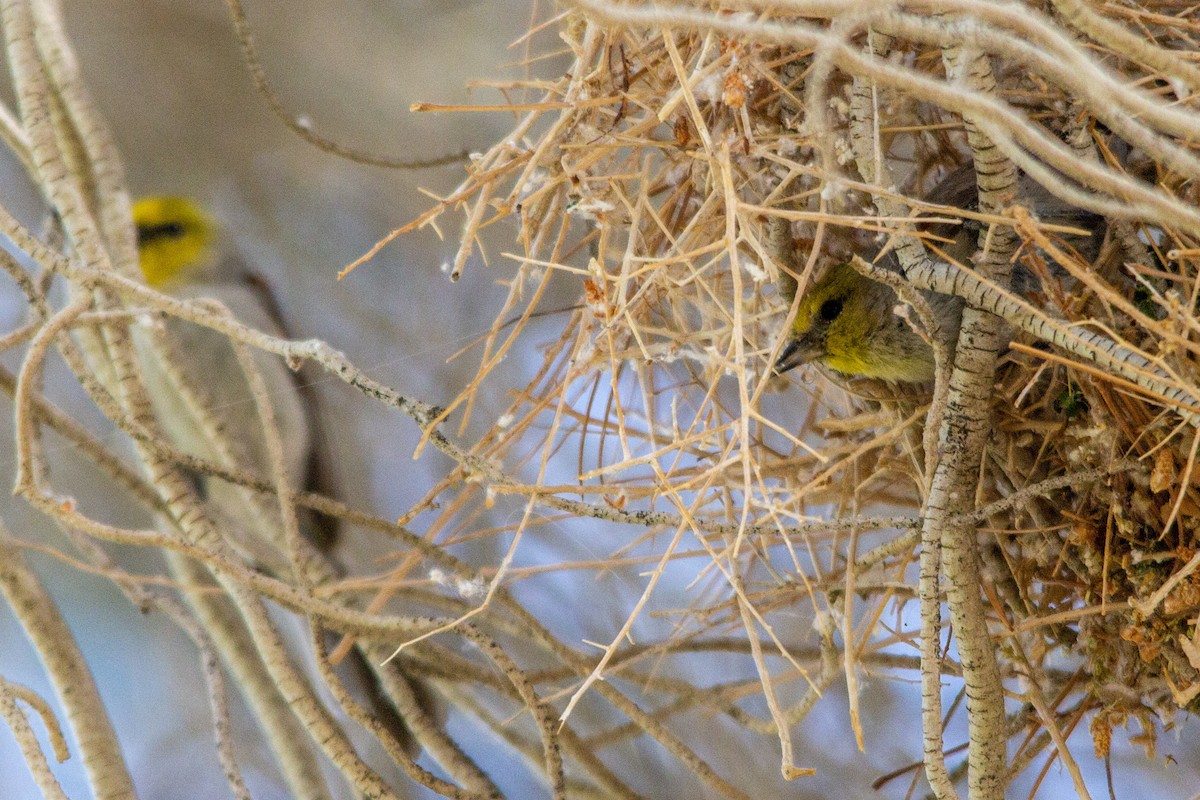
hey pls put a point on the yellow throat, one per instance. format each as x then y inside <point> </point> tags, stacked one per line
<point>175,239</point>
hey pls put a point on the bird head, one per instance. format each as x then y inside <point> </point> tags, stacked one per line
<point>176,240</point>
<point>847,322</point>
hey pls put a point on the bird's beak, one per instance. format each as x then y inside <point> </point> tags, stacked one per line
<point>796,352</point>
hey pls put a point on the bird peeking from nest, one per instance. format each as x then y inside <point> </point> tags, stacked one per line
<point>848,323</point>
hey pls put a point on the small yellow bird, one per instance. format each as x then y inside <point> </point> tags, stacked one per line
<point>206,407</point>
<point>847,322</point>
<point>200,394</point>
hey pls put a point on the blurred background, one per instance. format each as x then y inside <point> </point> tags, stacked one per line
<point>169,77</point>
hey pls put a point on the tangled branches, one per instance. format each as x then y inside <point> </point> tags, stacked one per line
<point>686,179</point>
<point>693,172</point>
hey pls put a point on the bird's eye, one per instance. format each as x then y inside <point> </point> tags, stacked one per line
<point>162,230</point>
<point>173,230</point>
<point>830,309</point>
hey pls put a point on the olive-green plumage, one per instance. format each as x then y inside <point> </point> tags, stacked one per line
<point>848,323</point>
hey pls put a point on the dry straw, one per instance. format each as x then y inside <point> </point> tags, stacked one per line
<point>698,163</point>
<point>685,177</point>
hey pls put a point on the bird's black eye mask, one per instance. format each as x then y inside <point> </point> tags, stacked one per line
<point>830,310</point>
<point>146,234</point>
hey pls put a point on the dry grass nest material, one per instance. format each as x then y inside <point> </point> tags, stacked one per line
<point>649,181</point>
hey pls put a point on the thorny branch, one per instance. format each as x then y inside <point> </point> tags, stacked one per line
<point>686,159</point>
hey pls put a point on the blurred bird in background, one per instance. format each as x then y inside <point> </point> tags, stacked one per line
<point>206,406</point>
<point>200,389</point>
